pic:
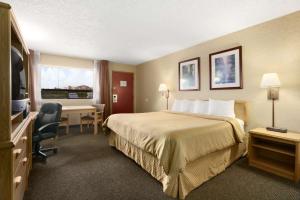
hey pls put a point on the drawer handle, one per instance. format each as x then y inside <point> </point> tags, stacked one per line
<point>24,139</point>
<point>17,152</point>
<point>24,161</point>
<point>18,180</point>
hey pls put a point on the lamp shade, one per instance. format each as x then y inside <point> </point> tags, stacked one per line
<point>270,80</point>
<point>162,87</point>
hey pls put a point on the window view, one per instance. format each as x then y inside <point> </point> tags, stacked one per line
<point>66,83</point>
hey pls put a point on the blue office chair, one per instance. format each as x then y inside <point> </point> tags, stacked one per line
<point>46,127</point>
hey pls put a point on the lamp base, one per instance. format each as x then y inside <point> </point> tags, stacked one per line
<point>280,130</point>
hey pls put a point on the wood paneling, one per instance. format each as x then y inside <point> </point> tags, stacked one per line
<point>5,32</point>
<point>15,132</point>
<point>6,174</point>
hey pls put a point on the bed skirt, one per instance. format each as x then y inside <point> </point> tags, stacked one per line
<point>179,185</point>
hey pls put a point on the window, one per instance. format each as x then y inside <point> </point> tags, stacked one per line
<point>66,82</point>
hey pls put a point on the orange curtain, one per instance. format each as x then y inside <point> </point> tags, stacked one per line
<point>31,81</point>
<point>104,86</point>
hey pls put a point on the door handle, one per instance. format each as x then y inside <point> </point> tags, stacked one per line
<point>24,161</point>
<point>24,139</point>
<point>17,152</point>
<point>18,180</point>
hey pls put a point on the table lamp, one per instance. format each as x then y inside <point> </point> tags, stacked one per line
<point>163,89</point>
<point>272,83</point>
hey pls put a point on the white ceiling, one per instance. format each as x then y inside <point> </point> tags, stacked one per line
<point>135,31</point>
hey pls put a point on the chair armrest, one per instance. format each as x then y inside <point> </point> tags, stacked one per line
<point>50,125</point>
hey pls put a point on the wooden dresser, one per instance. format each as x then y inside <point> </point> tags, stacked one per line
<point>15,131</point>
<point>16,158</point>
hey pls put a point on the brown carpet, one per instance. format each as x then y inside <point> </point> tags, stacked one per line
<point>86,168</point>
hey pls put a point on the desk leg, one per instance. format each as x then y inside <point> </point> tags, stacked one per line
<point>95,124</point>
<point>68,124</point>
<point>297,163</point>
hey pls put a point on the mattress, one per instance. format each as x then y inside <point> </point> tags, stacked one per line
<point>179,185</point>
<point>170,146</point>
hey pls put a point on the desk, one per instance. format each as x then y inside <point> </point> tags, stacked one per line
<point>82,109</point>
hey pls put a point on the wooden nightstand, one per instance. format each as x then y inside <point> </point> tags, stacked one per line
<point>278,153</point>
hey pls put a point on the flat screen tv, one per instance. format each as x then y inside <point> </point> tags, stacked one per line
<point>18,78</point>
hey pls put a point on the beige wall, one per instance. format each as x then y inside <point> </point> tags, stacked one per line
<point>273,46</point>
<point>56,60</point>
<point>123,68</point>
<point>49,59</point>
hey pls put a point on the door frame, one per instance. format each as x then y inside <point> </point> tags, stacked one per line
<point>111,91</point>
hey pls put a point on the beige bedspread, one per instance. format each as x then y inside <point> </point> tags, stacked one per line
<point>176,139</point>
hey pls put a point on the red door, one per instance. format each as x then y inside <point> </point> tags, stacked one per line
<point>122,92</point>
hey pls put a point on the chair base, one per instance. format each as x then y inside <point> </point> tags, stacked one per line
<point>40,152</point>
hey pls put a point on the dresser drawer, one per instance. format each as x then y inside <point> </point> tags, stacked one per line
<point>20,150</point>
<point>19,180</point>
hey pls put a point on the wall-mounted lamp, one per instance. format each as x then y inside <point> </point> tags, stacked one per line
<point>163,89</point>
<point>272,83</point>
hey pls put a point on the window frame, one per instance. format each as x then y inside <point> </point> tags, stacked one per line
<point>68,91</point>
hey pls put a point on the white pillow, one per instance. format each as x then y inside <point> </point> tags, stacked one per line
<point>200,107</point>
<point>186,105</point>
<point>221,108</point>
<point>176,107</point>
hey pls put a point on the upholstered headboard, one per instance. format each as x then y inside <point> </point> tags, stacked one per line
<point>241,111</point>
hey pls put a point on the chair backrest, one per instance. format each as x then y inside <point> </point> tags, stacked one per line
<point>49,113</point>
<point>99,107</point>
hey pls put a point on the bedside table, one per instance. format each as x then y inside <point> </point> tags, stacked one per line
<point>277,153</point>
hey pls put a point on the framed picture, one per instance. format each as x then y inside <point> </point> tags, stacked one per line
<point>189,74</point>
<point>225,69</point>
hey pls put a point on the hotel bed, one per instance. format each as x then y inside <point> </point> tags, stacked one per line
<point>181,150</point>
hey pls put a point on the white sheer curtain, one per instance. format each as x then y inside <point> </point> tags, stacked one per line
<point>37,79</point>
<point>96,85</point>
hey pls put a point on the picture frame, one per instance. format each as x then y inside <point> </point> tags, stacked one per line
<point>189,74</point>
<point>225,69</point>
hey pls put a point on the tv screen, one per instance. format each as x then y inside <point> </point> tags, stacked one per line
<point>17,75</point>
